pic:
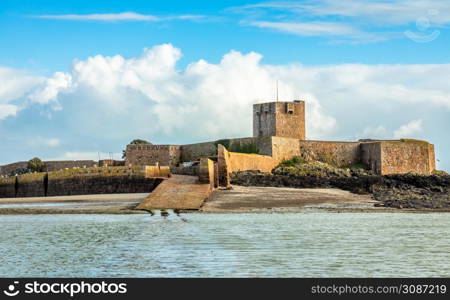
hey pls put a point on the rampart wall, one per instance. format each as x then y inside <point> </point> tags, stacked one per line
<point>340,154</point>
<point>229,162</point>
<point>165,155</point>
<point>406,156</point>
<point>81,181</point>
<point>51,165</point>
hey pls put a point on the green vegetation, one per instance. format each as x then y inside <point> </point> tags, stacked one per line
<point>140,142</point>
<point>298,166</point>
<point>223,142</point>
<point>244,148</point>
<point>135,142</point>
<point>414,141</point>
<point>36,165</point>
<point>98,171</point>
<point>292,162</point>
<point>7,181</point>
<point>31,177</point>
<point>237,146</point>
<point>356,166</point>
<point>440,173</point>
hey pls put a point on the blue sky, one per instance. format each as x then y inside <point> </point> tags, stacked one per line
<point>82,77</point>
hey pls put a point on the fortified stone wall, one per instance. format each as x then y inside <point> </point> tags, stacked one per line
<point>51,165</point>
<point>371,156</point>
<point>290,120</point>
<point>283,119</point>
<point>79,182</point>
<point>406,156</point>
<point>245,162</point>
<point>229,162</point>
<point>207,172</point>
<point>31,185</point>
<point>431,158</point>
<point>8,187</point>
<point>340,154</point>
<point>194,152</point>
<point>284,148</point>
<point>165,155</point>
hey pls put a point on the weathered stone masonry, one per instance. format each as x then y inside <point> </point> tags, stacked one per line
<point>166,155</point>
<point>279,132</point>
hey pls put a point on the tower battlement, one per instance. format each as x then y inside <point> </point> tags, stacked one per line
<point>283,119</point>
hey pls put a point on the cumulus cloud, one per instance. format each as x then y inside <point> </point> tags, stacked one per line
<point>150,96</point>
<point>51,88</point>
<point>411,129</point>
<point>14,85</point>
<point>7,110</point>
<point>204,100</point>
<point>106,101</point>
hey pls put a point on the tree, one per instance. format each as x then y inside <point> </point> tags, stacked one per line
<point>139,142</point>
<point>135,142</point>
<point>36,165</point>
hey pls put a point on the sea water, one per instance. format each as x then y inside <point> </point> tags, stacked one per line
<point>226,245</point>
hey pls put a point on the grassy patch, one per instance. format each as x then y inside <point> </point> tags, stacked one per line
<point>356,166</point>
<point>439,172</point>
<point>244,148</point>
<point>223,142</point>
<point>292,162</point>
<point>237,147</point>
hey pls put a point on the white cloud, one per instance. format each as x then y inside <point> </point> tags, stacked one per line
<point>117,17</point>
<point>148,96</point>
<point>410,130</point>
<point>87,155</point>
<point>14,85</point>
<point>309,28</point>
<point>7,110</point>
<point>378,132</point>
<point>107,101</point>
<point>379,13</point>
<point>44,142</point>
<point>50,89</point>
<point>356,21</point>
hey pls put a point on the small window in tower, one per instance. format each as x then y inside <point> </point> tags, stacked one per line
<point>289,108</point>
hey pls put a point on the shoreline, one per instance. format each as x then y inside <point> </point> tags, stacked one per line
<point>238,199</point>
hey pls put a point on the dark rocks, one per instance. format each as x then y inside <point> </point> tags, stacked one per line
<point>399,191</point>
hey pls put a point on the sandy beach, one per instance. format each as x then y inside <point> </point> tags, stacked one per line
<point>78,204</point>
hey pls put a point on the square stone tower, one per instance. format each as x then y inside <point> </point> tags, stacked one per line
<point>283,119</point>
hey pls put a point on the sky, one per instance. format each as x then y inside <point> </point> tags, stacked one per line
<point>81,79</point>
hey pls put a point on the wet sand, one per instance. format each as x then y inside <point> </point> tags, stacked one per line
<point>278,199</point>
<point>239,199</point>
<point>79,204</point>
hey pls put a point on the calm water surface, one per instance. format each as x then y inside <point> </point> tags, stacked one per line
<point>226,245</point>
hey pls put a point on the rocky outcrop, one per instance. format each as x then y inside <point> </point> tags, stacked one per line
<point>399,191</point>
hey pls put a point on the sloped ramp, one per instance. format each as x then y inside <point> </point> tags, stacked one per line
<point>177,192</point>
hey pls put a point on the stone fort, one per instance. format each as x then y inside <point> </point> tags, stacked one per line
<point>279,134</point>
